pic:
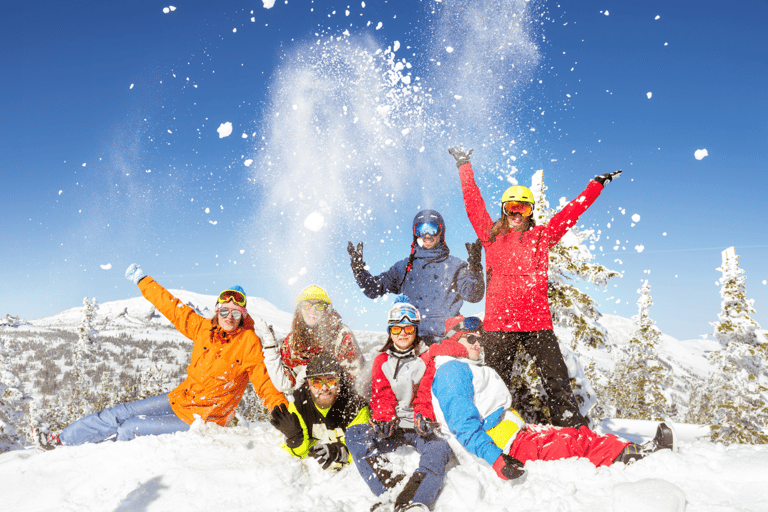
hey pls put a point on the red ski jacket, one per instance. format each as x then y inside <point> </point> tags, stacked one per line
<point>517,264</point>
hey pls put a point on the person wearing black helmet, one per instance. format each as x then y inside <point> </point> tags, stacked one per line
<point>323,408</point>
<point>436,282</point>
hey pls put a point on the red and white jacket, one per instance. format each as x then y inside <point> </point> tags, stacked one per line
<point>517,264</point>
<point>395,377</point>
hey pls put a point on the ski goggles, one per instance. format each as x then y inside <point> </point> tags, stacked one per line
<point>512,207</point>
<point>408,313</point>
<point>225,312</point>
<point>233,295</point>
<point>317,306</point>
<point>471,324</point>
<point>427,229</point>
<point>317,382</point>
<point>407,329</point>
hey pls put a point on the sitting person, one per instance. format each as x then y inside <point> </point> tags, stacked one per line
<point>471,399</point>
<point>324,407</point>
<point>316,329</point>
<point>395,377</point>
<point>225,355</point>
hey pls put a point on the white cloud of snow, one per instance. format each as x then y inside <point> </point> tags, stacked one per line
<point>225,130</point>
<point>268,4</point>
<point>635,218</point>
<point>649,94</point>
<point>314,221</point>
<point>700,154</point>
<point>639,248</point>
<point>106,267</point>
<point>248,162</point>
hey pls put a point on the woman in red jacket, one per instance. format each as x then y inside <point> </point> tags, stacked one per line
<point>517,263</point>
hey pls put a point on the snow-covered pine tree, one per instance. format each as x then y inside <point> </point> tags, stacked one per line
<point>635,387</point>
<point>12,400</point>
<point>734,400</point>
<point>81,401</point>
<point>571,258</point>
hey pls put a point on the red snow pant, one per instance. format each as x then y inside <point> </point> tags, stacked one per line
<point>539,442</point>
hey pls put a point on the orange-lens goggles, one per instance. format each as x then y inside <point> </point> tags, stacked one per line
<point>317,306</point>
<point>233,295</point>
<point>510,207</point>
<point>317,383</point>
<point>397,329</point>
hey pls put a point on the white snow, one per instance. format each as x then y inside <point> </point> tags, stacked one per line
<point>225,130</point>
<point>248,162</point>
<point>649,94</point>
<point>314,221</point>
<point>106,267</point>
<point>639,248</point>
<point>700,154</point>
<point>268,4</point>
<point>635,217</point>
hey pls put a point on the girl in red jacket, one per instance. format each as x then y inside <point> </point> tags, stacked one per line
<point>517,262</point>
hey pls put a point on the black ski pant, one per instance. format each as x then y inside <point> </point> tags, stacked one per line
<point>500,349</point>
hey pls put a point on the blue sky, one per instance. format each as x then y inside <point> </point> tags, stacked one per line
<point>112,152</point>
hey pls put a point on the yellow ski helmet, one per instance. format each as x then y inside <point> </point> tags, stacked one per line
<point>518,193</point>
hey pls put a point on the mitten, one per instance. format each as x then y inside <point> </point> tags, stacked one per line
<point>604,179</point>
<point>287,423</point>
<point>384,429</point>
<point>475,251</point>
<point>356,257</point>
<point>425,426</point>
<point>508,468</point>
<point>327,454</point>
<point>134,273</point>
<point>461,155</point>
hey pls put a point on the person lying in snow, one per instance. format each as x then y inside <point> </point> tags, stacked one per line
<point>225,355</point>
<point>323,408</point>
<point>395,376</point>
<point>316,329</point>
<point>471,399</point>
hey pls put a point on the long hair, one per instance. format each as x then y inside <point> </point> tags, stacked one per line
<point>501,228</point>
<point>322,335</point>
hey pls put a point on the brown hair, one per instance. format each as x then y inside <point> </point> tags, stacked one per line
<point>501,228</point>
<point>322,335</point>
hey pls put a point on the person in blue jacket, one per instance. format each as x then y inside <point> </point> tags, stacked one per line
<point>436,282</point>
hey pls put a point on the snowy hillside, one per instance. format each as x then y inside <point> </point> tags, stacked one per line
<point>243,468</point>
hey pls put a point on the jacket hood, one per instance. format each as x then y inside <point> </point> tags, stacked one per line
<point>449,347</point>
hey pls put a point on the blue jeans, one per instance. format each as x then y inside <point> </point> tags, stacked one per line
<point>149,417</point>
<point>362,443</point>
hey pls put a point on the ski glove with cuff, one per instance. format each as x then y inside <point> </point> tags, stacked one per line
<point>356,257</point>
<point>461,155</point>
<point>508,467</point>
<point>425,426</point>
<point>384,429</point>
<point>327,454</point>
<point>604,179</point>
<point>287,423</point>
<point>475,253</point>
<point>134,273</point>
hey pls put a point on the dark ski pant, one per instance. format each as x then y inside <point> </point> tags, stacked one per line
<point>148,417</point>
<point>500,348</point>
<point>362,443</point>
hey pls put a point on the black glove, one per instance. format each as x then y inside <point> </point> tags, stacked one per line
<point>327,454</point>
<point>461,155</point>
<point>384,429</point>
<point>508,467</point>
<point>604,179</point>
<point>356,257</point>
<point>425,426</point>
<point>287,423</point>
<point>475,251</point>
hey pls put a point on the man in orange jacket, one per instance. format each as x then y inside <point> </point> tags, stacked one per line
<point>226,354</point>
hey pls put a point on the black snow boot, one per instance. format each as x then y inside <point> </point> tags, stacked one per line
<point>403,500</point>
<point>663,440</point>
<point>379,465</point>
<point>631,453</point>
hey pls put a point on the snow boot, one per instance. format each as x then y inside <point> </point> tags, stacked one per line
<point>665,439</point>
<point>44,439</point>
<point>631,453</point>
<point>385,476</point>
<point>403,500</point>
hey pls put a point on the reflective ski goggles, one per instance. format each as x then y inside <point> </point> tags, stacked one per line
<point>471,324</point>
<point>406,313</point>
<point>407,329</point>
<point>318,382</point>
<point>511,207</point>
<point>427,229</point>
<point>317,306</point>
<point>236,313</point>
<point>233,295</point>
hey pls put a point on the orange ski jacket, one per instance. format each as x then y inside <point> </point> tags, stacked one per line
<point>221,363</point>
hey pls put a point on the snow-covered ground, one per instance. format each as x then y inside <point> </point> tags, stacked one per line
<point>212,468</point>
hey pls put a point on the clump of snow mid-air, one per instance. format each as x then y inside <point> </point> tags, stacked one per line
<point>314,221</point>
<point>168,9</point>
<point>268,4</point>
<point>225,130</point>
<point>649,94</point>
<point>106,267</point>
<point>699,154</point>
